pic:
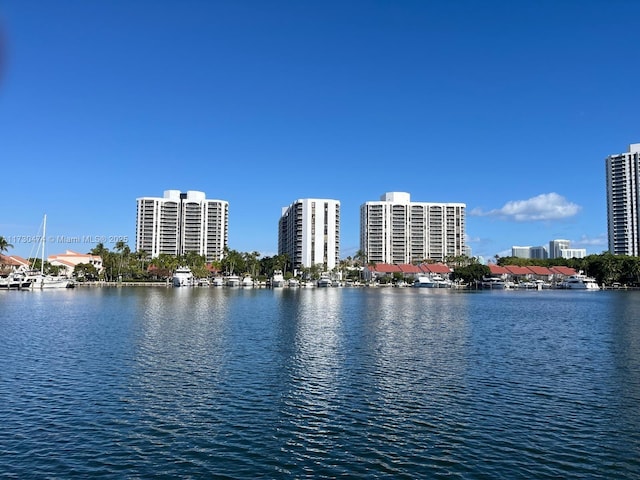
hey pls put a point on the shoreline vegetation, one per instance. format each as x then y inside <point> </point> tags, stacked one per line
<point>123,267</point>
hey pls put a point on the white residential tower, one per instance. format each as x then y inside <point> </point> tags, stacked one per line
<point>623,199</point>
<point>309,233</point>
<point>396,230</point>
<point>179,223</point>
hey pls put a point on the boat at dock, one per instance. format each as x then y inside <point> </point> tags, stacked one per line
<point>14,281</point>
<point>324,280</point>
<point>182,277</point>
<point>424,281</point>
<point>579,281</point>
<point>277,280</point>
<point>40,280</point>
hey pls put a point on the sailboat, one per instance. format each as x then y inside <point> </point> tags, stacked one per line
<point>40,280</point>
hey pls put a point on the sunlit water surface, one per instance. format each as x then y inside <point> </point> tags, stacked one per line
<point>319,383</point>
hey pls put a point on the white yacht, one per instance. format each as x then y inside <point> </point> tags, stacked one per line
<point>579,281</point>
<point>494,283</point>
<point>324,280</point>
<point>183,277</point>
<point>424,281</point>
<point>293,283</point>
<point>440,281</point>
<point>277,280</point>
<point>233,281</point>
<point>217,282</point>
<point>15,280</point>
<point>247,281</point>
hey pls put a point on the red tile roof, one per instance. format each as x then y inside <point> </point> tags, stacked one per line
<point>497,269</point>
<point>13,260</point>
<point>563,270</point>
<point>518,270</point>
<point>409,268</point>
<point>435,268</point>
<point>540,270</point>
<point>384,268</point>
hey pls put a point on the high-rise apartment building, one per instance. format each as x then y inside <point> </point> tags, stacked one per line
<point>623,198</point>
<point>556,247</point>
<point>520,252</point>
<point>179,223</point>
<point>309,233</point>
<point>539,252</point>
<point>396,230</point>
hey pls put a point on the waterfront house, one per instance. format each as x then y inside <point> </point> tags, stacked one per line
<point>67,261</point>
<point>13,263</point>
<point>386,271</point>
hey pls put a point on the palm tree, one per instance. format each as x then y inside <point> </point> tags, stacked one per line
<point>361,259</point>
<point>123,251</point>
<point>4,245</point>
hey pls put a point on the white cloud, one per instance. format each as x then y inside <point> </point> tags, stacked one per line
<point>585,241</point>
<point>547,206</point>
<point>470,239</point>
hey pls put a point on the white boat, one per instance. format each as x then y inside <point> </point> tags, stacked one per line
<point>247,281</point>
<point>324,280</point>
<point>217,282</point>
<point>203,282</point>
<point>293,283</point>
<point>233,281</point>
<point>424,281</point>
<point>182,277</point>
<point>440,281</point>
<point>40,280</point>
<point>494,283</point>
<point>15,280</point>
<point>579,281</point>
<point>277,280</point>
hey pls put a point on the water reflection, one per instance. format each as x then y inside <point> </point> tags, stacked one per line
<point>361,383</point>
<point>624,318</point>
<point>315,366</point>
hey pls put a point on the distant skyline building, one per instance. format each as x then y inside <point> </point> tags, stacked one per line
<point>623,192</point>
<point>573,252</point>
<point>179,223</point>
<point>539,253</point>
<point>556,247</point>
<point>309,233</point>
<point>521,252</point>
<point>396,230</point>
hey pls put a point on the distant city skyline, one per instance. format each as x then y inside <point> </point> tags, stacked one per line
<point>500,106</point>
<point>558,248</point>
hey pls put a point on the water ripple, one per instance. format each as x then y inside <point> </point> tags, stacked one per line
<point>319,383</point>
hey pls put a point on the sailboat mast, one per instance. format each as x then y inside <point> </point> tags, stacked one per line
<point>44,239</point>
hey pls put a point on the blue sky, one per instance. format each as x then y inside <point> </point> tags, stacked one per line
<point>509,107</point>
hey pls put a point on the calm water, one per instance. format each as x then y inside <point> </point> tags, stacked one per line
<point>319,383</point>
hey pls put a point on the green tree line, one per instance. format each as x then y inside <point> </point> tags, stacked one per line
<point>606,268</point>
